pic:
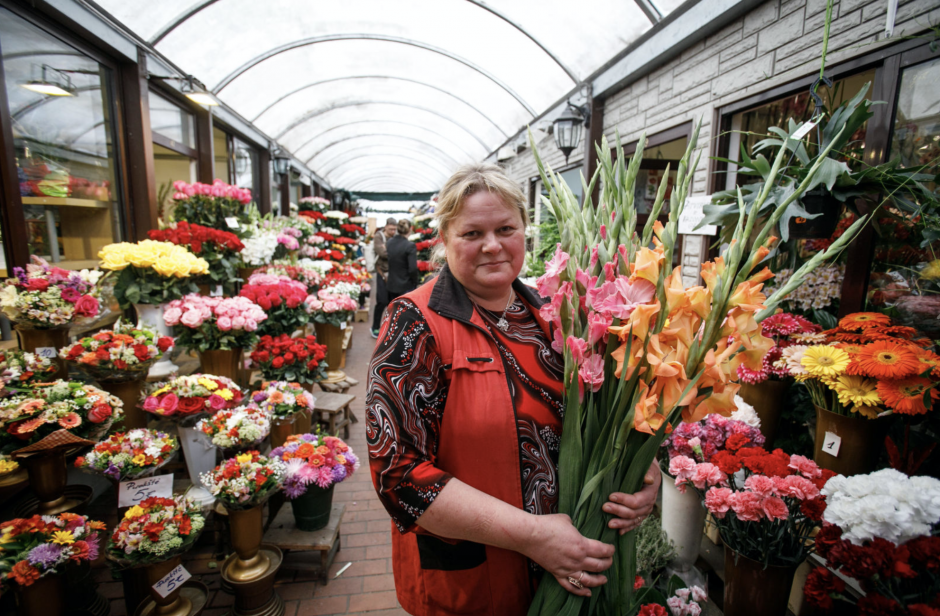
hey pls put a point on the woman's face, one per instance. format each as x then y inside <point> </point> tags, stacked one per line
<point>485,245</point>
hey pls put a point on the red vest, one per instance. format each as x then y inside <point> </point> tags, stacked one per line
<point>479,445</point>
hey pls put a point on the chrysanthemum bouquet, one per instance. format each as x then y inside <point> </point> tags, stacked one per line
<point>785,330</point>
<point>314,460</point>
<point>19,369</point>
<point>210,205</point>
<point>281,399</point>
<point>32,548</point>
<point>641,350</point>
<point>152,272</point>
<point>186,396</point>
<point>156,530</point>
<point>44,297</point>
<point>297,360</point>
<point>237,428</point>
<point>219,248</point>
<point>214,323</point>
<point>127,351</point>
<point>129,455</point>
<point>703,440</point>
<point>244,481</point>
<point>282,301</point>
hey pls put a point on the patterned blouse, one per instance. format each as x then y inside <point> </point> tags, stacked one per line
<point>409,391</point>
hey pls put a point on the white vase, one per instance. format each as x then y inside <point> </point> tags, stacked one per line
<point>683,521</point>
<point>153,316</point>
<point>200,458</point>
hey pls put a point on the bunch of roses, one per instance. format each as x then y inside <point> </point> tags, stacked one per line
<point>288,238</point>
<point>310,459</point>
<point>217,189</point>
<point>335,285</point>
<point>786,330</point>
<point>281,399</point>
<point>189,395</point>
<point>203,241</point>
<point>84,410</point>
<point>331,307</point>
<point>156,530</point>
<point>245,480</point>
<point>312,245</point>
<point>127,455</point>
<point>126,347</point>
<point>702,440</point>
<point>282,301</point>
<point>312,216</point>
<point>152,272</point>
<point>43,297</point>
<point>236,428</point>
<point>352,231</point>
<point>329,255</point>
<point>296,360</point>
<point>214,323</point>
<point>315,205</point>
<point>19,369</point>
<point>308,276</point>
<point>32,548</point>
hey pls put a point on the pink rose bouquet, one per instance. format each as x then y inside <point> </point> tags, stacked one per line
<point>332,307</point>
<point>211,205</point>
<point>214,323</point>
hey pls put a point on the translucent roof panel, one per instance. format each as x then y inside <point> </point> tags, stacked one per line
<point>454,77</point>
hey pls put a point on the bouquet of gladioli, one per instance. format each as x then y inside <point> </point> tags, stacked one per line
<point>126,352</point>
<point>156,530</point>
<point>84,410</point>
<point>152,272</point>
<point>237,428</point>
<point>640,349</point>
<point>281,399</point>
<point>786,330</point>
<point>210,205</point>
<point>281,300</point>
<point>705,439</point>
<point>311,459</point>
<point>214,323</point>
<point>244,481</point>
<point>44,297</point>
<point>19,369</point>
<point>186,396</point>
<point>297,360</point>
<point>331,306</point>
<point>219,248</point>
<point>35,547</point>
<point>130,455</point>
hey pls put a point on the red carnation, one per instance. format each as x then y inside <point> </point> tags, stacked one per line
<point>920,609</point>
<point>819,584</point>
<point>736,441</point>
<point>827,538</point>
<point>813,508</point>
<point>652,609</point>
<point>877,605</point>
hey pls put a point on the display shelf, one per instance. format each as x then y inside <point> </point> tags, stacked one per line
<point>65,201</point>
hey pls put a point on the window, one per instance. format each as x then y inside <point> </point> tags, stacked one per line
<point>916,136</point>
<point>246,169</point>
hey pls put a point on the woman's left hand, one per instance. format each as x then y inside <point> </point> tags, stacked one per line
<point>629,510</point>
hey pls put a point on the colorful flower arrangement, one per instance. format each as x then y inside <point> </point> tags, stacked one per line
<point>331,306</point>
<point>282,301</point>
<point>314,460</point>
<point>44,297</point>
<point>681,601</point>
<point>19,369</point>
<point>210,205</point>
<point>244,481</point>
<point>129,455</point>
<point>281,399</point>
<point>215,323</point>
<point>236,428</point>
<point>152,272</point>
<point>785,330</point>
<point>32,548</point>
<point>219,248</point>
<point>190,395</point>
<point>156,530</point>
<point>296,360</point>
<point>125,349</point>
<point>703,440</point>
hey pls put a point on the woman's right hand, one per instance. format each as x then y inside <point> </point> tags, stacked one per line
<point>562,551</point>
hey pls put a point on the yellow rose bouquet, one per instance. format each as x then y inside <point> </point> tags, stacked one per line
<point>152,272</point>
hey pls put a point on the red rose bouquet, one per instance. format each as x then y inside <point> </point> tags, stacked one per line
<point>126,352</point>
<point>282,300</point>
<point>156,530</point>
<point>282,358</point>
<point>352,231</point>
<point>186,396</point>
<point>219,248</point>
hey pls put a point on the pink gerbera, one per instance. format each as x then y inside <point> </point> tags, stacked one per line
<point>752,377</point>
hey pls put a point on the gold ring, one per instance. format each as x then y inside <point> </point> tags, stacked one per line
<point>576,582</point>
<point>581,576</point>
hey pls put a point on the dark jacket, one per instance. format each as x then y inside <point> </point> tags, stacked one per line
<point>402,265</point>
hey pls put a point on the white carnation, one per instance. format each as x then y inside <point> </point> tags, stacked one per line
<point>745,413</point>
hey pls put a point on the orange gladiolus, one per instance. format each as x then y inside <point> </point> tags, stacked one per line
<point>720,401</point>
<point>646,418</point>
<point>647,264</point>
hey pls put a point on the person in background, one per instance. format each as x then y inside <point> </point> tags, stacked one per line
<point>402,262</point>
<point>381,271</point>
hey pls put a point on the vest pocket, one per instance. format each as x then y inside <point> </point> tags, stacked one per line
<point>439,555</point>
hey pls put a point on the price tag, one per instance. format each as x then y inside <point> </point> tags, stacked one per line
<point>47,352</point>
<point>232,222</point>
<point>831,444</point>
<point>171,581</point>
<point>132,492</point>
<point>342,325</point>
<point>803,130</point>
<point>217,291</point>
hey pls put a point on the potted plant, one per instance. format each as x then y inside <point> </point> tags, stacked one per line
<point>282,300</point>
<point>211,205</point>
<point>236,429</point>
<point>219,248</point>
<point>130,455</point>
<point>283,402</point>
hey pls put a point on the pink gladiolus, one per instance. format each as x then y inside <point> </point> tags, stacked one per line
<point>558,341</point>
<point>597,327</point>
<point>578,347</point>
<point>591,372</point>
<point>603,232</point>
<point>626,297</point>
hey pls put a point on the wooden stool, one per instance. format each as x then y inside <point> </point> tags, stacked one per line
<point>284,534</point>
<point>336,406</point>
<point>362,315</point>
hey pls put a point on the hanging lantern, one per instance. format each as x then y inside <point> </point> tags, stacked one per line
<point>567,128</point>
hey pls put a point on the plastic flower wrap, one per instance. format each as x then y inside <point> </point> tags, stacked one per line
<point>152,272</point>
<point>32,548</point>
<point>190,395</point>
<point>314,460</point>
<point>297,360</point>
<point>237,428</point>
<point>703,440</point>
<point>214,323</point>
<point>44,297</point>
<point>210,205</point>
<point>244,481</point>
<point>129,455</point>
<point>156,530</point>
<point>282,301</point>
<point>219,248</point>
<point>126,351</point>
<point>19,369</point>
<point>785,330</point>
<point>281,399</point>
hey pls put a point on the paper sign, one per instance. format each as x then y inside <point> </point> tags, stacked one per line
<point>694,213</point>
<point>831,444</point>
<point>171,581</point>
<point>803,130</point>
<point>232,222</point>
<point>342,325</point>
<point>47,352</point>
<point>132,492</point>
<point>217,291</point>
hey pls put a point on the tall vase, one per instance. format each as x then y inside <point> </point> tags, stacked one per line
<point>129,393</point>
<point>220,363</point>
<point>200,458</point>
<point>767,399</point>
<point>44,597</point>
<point>861,442</point>
<point>332,337</point>
<point>750,589</point>
<point>683,521</point>
<point>173,604</point>
<point>246,530</point>
<point>312,509</point>
<point>281,428</point>
<point>48,476</point>
<point>56,338</point>
<point>153,316</point>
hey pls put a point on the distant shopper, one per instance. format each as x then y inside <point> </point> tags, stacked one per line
<point>402,262</point>
<point>379,243</point>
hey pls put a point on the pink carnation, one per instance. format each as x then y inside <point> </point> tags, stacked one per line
<point>775,508</point>
<point>747,506</point>
<point>760,484</point>
<point>796,486</point>
<point>807,467</point>
<point>718,501</point>
<point>707,475</point>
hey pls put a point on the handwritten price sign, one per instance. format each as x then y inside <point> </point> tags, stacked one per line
<point>831,444</point>
<point>171,581</point>
<point>133,492</point>
<point>47,352</point>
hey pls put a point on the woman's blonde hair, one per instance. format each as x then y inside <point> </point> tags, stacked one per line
<point>471,179</point>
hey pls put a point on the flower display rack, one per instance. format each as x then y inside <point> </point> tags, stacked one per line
<point>284,534</point>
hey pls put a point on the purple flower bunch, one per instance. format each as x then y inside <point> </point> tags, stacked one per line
<point>312,459</point>
<point>702,440</point>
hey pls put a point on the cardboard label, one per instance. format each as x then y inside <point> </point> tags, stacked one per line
<point>47,352</point>
<point>831,444</point>
<point>342,325</point>
<point>694,213</point>
<point>217,291</point>
<point>803,130</point>
<point>171,581</point>
<point>232,222</point>
<point>132,492</point>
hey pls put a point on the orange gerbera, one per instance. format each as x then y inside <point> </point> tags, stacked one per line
<point>897,331</point>
<point>885,359</point>
<point>906,396</point>
<point>928,359</point>
<point>850,348</point>
<point>851,338</point>
<point>864,320</point>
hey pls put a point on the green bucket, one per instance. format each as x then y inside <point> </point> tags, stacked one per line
<point>312,510</point>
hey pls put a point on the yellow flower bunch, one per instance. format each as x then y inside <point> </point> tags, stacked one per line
<point>164,258</point>
<point>7,465</point>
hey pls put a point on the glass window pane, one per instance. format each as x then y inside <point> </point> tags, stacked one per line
<point>246,165</point>
<point>172,121</point>
<point>221,154</point>
<point>916,137</point>
<point>275,188</point>
<point>170,166</point>
<point>60,102</point>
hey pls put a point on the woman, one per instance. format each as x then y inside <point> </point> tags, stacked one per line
<point>402,262</point>
<point>464,421</point>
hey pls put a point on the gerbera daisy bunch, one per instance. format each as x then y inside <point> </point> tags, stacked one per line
<point>125,351</point>
<point>281,399</point>
<point>155,530</point>
<point>19,369</point>
<point>245,480</point>
<point>296,360</point>
<point>46,297</point>
<point>32,548</point>
<point>785,330</point>
<point>312,459</point>
<point>215,323</point>
<point>130,455</point>
<point>237,428</point>
<point>190,395</point>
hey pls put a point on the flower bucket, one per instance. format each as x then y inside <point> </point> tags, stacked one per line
<point>281,428</point>
<point>172,604</point>
<point>153,316</point>
<point>302,423</point>
<point>246,530</point>
<point>200,458</point>
<point>332,337</point>
<point>312,509</point>
<point>767,400</point>
<point>129,393</point>
<point>44,597</point>
<point>683,521</point>
<point>32,339</point>
<point>860,445</point>
<point>750,589</point>
<point>220,363</point>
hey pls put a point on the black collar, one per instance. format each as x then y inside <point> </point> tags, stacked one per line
<point>449,299</point>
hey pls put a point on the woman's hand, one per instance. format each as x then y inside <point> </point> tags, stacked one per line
<point>629,510</point>
<point>562,551</point>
